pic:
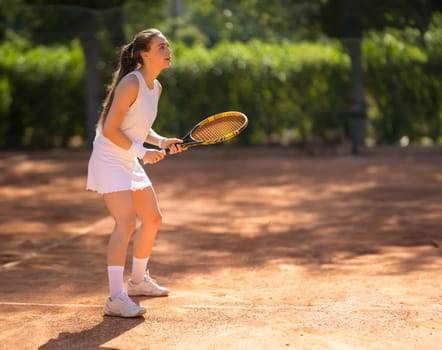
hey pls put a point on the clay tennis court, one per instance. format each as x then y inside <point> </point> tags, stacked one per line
<point>261,248</point>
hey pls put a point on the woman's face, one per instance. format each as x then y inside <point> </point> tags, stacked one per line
<point>159,54</point>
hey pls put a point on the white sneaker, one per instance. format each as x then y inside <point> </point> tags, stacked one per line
<point>147,287</point>
<point>123,306</point>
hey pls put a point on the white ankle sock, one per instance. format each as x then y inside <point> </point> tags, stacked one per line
<point>138,269</point>
<point>116,284</point>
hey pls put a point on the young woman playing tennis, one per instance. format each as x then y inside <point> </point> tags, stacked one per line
<point>114,171</point>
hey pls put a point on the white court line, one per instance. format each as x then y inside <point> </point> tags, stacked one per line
<point>316,307</point>
<point>47,305</point>
<point>81,232</point>
<point>337,306</point>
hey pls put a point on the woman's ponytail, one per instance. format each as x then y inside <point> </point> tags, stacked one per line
<point>127,62</point>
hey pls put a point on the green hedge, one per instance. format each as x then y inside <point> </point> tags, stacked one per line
<point>280,87</point>
<point>291,92</point>
<point>41,95</point>
<point>404,85</point>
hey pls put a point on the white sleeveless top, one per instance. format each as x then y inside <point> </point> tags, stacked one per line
<point>112,168</point>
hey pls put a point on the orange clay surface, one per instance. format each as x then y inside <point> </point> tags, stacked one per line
<point>261,248</point>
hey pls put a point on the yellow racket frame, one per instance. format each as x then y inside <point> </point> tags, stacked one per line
<point>228,136</point>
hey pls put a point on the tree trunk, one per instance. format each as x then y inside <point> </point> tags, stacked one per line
<point>356,106</point>
<point>92,85</point>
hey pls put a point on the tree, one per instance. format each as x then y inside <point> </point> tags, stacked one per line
<point>242,20</point>
<point>347,20</point>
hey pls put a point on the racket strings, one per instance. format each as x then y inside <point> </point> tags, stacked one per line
<point>218,128</point>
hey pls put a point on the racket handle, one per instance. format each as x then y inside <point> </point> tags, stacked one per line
<point>150,146</point>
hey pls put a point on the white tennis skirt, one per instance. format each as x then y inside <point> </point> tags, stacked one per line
<point>112,170</point>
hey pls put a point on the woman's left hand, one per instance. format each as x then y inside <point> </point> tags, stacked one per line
<point>173,145</point>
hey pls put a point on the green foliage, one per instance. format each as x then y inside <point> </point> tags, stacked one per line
<point>302,88</point>
<point>404,82</point>
<point>43,102</point>
<point>287,89</point>
<point>244,20</point>
<point>433,37</point>
<point>286,86</point>
<point>51,21</point>
<point>350,19</point>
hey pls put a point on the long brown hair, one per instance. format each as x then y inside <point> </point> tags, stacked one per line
<point>130,59</point>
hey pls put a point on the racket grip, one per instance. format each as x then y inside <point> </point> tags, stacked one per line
<point>150,146</point>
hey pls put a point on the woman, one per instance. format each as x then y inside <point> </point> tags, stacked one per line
<point>129,111</point>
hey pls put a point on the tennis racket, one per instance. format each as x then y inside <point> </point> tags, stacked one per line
<point>215,129</point>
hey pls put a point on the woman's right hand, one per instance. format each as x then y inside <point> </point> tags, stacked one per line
<point>153,156</point>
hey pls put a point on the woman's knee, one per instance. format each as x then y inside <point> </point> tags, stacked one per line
<point>126,225</point>
<point>156,218</point>
<point>153,218</point>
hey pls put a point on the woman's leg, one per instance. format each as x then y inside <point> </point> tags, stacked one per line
<point>121,207</point>
<point>148,211</point>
